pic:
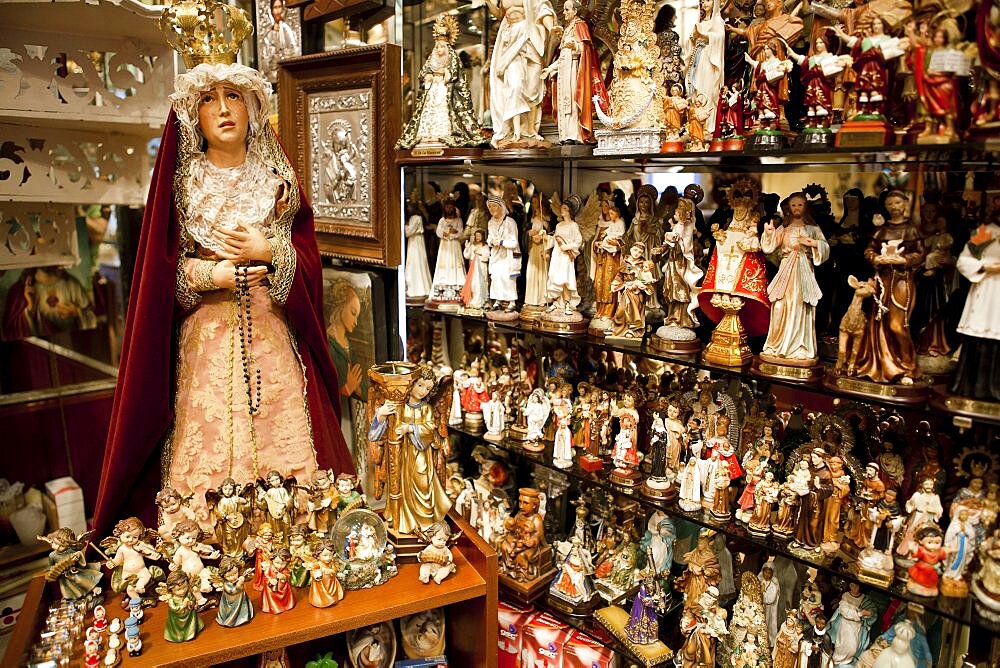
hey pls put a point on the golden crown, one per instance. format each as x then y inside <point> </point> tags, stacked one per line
<point>446,27</point>
<point>205,31</point>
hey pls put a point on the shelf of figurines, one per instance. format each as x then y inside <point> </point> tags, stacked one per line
<point>470,589</point>
<point>940,403</point>
<point>942,157</point>
<point>840,564</point>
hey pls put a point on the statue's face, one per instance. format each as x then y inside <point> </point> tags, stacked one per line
<point>422,388</point>
<point>673,411</point>
<point>878,28</point>
<point>495,209</point>
<point>797,207</point>
<point>222,116</point>
<point>895,205</point>
<point>706,7</point>
<point>569,10</point>
<point>227,490</point>
<point>644,204</point>
<point>820,46</point>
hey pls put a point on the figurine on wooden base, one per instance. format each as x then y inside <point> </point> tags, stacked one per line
<point>633,285</point>
<point>572,589</point>
<point>564,245</point>
<point>436,561</point>
<point>235,608</point>
<point>524,555</point>
<point>639,629</point>
<point>505,261</point>
<point>495,417</point>
<point>681,275</point>
<point>183,623</point>
<point>766,493</point>
<point>666,444</point>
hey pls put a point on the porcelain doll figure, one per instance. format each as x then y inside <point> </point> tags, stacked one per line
<point>100,619</point>
<point>128,564</point>
<point>871,52</point>
<point>574,580</point>
<point>675,107</point>
<point>276,498</point>
<point>476,290</point>
<point>841,489</point>
<point>703,570</point>
<point>536,281</point>
<point>524,554</point>
<point>449,269</point>
<point>606,251</point>
<point>418,271</point>
<point>979,360</point>
<point>766,494</point>
<point>562,415</point>
<point>564,247</point>
<point>443,114</point>
<point>517,86</point>
<point>69,567</point>
<point>960,542</point>
<point>704,58</point>
<point>816,645</point>
<point>494,417</point>
<point>133,642</point>
<point>230,509</point>
<point>301,549</point>
<point>770,86</point>
<point>322,503</point>
<point>277,596</point>
<point>171,508</point>
<point>681,274</point>
<point>770,591</point>
<point>643,626</point>
<point>436,561</point>
<point>183,623</point>
<point>924,574</point>
<point>895,251</point>
<point>923,507</point>
<point>819,71</point>
<point>851,625</point>
<point>626,450</point>
<point>505,262</point>
<point>536,411</point>
<point>794,292</point>
<point>414,437</point>
<point>188,558</point>
<point>986,581</point>
<point>235,608</point>
<point>576,78</point>
<point>703,626</point>
<point>785,653</point>
<point>689,491</point>
<point>135,609</point>
<point>632,286</point>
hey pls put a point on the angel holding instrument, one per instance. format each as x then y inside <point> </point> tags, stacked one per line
<point>172,507</point>
<point>276,497</point>
<point>436,560</point>
<point>417,434</point>
<point>69,566</point>
<point>230,509</point>
<point>235,608</point>
<point>188,555</point>
<point>131,546</point>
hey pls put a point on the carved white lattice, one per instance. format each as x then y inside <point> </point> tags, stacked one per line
<point>37,235</point>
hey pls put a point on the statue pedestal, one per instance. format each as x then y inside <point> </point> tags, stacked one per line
<point>629,140</point>
<point>864,133</point>
<point>582,609</point>
<point>913,393</point>
<point>615,619</point>
<point>728,346</point>
<point>771,367</point>
<point>815,138</point>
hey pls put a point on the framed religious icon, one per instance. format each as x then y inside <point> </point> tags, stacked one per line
<point>279,35</point>
<point>339,121</point>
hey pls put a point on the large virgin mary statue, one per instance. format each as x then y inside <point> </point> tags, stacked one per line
<point>704,59</point>
<point>225,371</point>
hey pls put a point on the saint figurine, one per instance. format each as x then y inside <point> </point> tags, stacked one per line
<point>418,271</point>
<point>565,245</point>
<point>703,570</point>
<point>681,274</point>
<point>977,375</point>
<point>505,258</point>
<point>605,259</point>
<point>851,625</point>
<point>443,114</point>
<point>819,71</point>
<point>476,291</point>
<point>705,58</point>
<point>632,286</point>
<point>703,626</point>
<point>871,52</point>
<point>643,626</point>
<point>574,579</point>
<point>770,86</point>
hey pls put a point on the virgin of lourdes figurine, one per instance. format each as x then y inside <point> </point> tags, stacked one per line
<point>517,85</point>
<point>734,292</point>
<point>769,76</point>
<point>626,451</point>
<point>576,70</point>
<point>564,246</point>
<point>819,72</point>
<point>408,428</point>
<point>681,274</point>
<point>476,291</point>
<point>536,412</point>
<point>689,491</point>
<point>417,272</point>
<point>924,574</point>
<point>704,59</point>
<point>633,285</point>
<point>606,251</point>
<point>790,349</point>
<point>960,542</point>
<point>505,261</point>
<point>449,270</point>
<point>887,354</point>
<point>443,115</point>
<point>68,566</point>
<point>536,280</point>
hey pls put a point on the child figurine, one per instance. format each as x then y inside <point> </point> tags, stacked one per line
<point>100,619</point>
<point>325,589</point>
<point>262,547</point>
<point>183,623</point>
<point>436,560</point>
<point>924,574</point>
<point>135,609</point>
<point>133,643</point>
<point>77,578</point>
<point>277,596</point>
<point>173,508</point>
<point>301,552</point>
<point>235,608</point>
<point>350,498</point>
<point>187,557</point>
<point>128,565</point>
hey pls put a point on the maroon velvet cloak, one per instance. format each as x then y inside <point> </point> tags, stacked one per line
<point>143,409</point>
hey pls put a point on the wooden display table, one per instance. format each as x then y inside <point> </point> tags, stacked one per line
<point>470,594</point>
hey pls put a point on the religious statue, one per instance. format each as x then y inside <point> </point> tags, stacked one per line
<point>276,594</point>
<point>562,416</point>
<point>443,115</point>
<point>786,643</point>
<point>449,269</point>
<point>574,582</point>
<point>819,71</point>
<point>68,564</point>
<point>408,444</point>
<point>578,79</point>
<point>172,508</point>
<point>766,493</point>
<point>417,272</point>
<point>769,81</point>
<point>505,260</point>
<point>605,260</point>
<point>278,41</point>
<point>646,228</point>
<point>747,623</point>
<point>698,113</point>
<point>564,246</point>
<point>870,53</point>
<point>841,483</point>
<point>643,626</point>
<point>183,623</point>
<point>986,106</point>
<point>536,411</point>
<point>276,498</point>
<point>960,542</point>
<point>536,272</point>
<point>851,625</point>
<point>674,113</point>
<point>922,508</point>
<point>703,626</point>
<point>517,85</point>
<point>703,570</point>
<point>704,59</point>
<point>986,582</point>
<point>816,646</point>
<point>632,286</point>
<point>128,549</point>
<point>626,450</point>
<point>325,589</point>
<point>525,556</point>
<point>681,275</point>
<point>235,608</point>
<point>476,291</point>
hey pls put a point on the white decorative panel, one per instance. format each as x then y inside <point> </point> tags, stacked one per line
<point>37,235</point>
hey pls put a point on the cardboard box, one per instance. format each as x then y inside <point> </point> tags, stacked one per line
<point>67,497</point>
<point>429,662</point>
<point>582,651</point>
<point>542,646</point>
<point>511,620</point>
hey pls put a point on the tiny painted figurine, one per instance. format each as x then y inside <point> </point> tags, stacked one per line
<point>188,557</point>
<point>704,62</point>
<point>785,652</point>
<point>770,591</point>
<point>443,115</point>
<point>476,291</point>
<point>870,53</point>
<point>129,572</point>
<point>574,582</point>
<point>68,564</point>
<point>276,498</point>
<point>689,486</point>
<point>766,493</point>
<point>505,259</point>
<point>769,77</point>
<point>133,642</point>
<point>135,609</point>
<point>277,596</point>
<point>674,110</point>
<point>417,272</point>
<point>819,71</point>
<point>436,560</point>
<point>851,625</point>
<point>960,542</point>
<point>816,646</point>
<point>262,545</point>
<point>325,589</point>
<point>322,503</point>
<point>537,241</point>
<point>923,576</point>
<point>606,250</point>
<point>100,619</point>
<point>172,508</point>
<point>301,548</point>
<point>494,417</point>
<point>703,625</point>
<point>632,286</point>
<point>923,507</point>
<point>562,415</point>
<point>230,509</point>
<point>747,621</point>
<point>524,555</point>
<point>183,622</point>
<point>809,528</point>
<point>372,646</point>
<point>703,570</point>
<point>643,626</point>
<point>235,608</point>
<point>681,275</point>
<point>698,113</point>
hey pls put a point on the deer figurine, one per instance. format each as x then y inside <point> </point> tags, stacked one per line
<point>852,326</point>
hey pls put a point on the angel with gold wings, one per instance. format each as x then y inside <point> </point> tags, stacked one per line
<point>68,565</point>
<point>408,445</point>
<point>577,222</point>
<point>230,508</point>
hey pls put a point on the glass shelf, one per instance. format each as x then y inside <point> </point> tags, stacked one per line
<point>955,609</point>
<point>695,362</point>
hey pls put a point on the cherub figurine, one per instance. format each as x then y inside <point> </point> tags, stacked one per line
<point>261,545</point>
<point>68,564</point>
<point>276,497</point>
<point>322,503</point>
<point>173,508</point>
<point>183,623</point>
<point>128,564</point>
<point>187,558</point>
<point>436,560</point>
<point>300,546</point>
<point>230,509</point>
<point>277,596</point>
<point>325,589</point>
<point>235,608</point>
<point>349,497</point>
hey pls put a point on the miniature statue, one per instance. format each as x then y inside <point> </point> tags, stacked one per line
<point>187,558</point>
<point>794,292</point>
<point>658,546</point>
<point>578,79</point>
<point>703,625</point>
<point>633,285</point>
<point>525,556</point>
<point>128,565</point>
<point>643,626</point>
<point>322,503</point>
<point>626,450</point>
<point>605,259</point>
<point>704,59</point>
<point>770,590</point>
<point>474,394</point>
<point>325,589</point>
<point>183,622</point>
<point>494,417</point>
<point>785,653</point>
<point>852,327</point>
<point>728,462</point>
<point>573,582</point>
<point>436,561</point>
<point>730,117</point>
<point>135,609</point>
<point>674,112</point>
<point>923,507</point>
<point>703,570</point>
<point>698,114</point>
<point>754,473</point>
<point>564,246</point>
<point>841,483</point>
<point>536,280</point>
<point>516,81</point>
<point>172,507</point>
<point>851,625</point>
<point>766,494</point>
<point>770,86</point>
<point>681,275</point>
<point>100,619</point>
<point>505,260</point>
<point>562,415</point>
<point>230,509</point>
<point>818,72</point>
<point>816,646</point>
<point>276,596</point>
<point>960,542</point>
<point>449,269</point>
<point>689,492</point>
<point>658,484</point>
<point>812,503</point>
<point>276,497</point>
<point>646,228</point>
<point>68,564</point>
<point>301,550</point>
<point>443,114</point>
<point>476,291</point>
<point>261,545</point>
<point>235,608</point>
<point>408,426</point>
<point>789,496</point>
<point>747,624</point>
<point>986,582</point>
<point>133,642</point>
<point>986,106</point>
<point>418,271</point>
<point>923,575</point>
<point>870,53</point>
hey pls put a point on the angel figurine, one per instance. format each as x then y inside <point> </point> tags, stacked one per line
<point>276,497</point>
<point>187,558</point>
<point>230,508</point>
<point>173,507</point>
<point>409,445</point>
<point>68,566</point>
<point>443,115</point>
<point>183,623</point>
<point>322,503</point>
<point>564,245</point>
<point>436,561</point>
<point>276,595</point>
<point>131,547</point>
<point>235,608</point>
<point>325,589</point>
